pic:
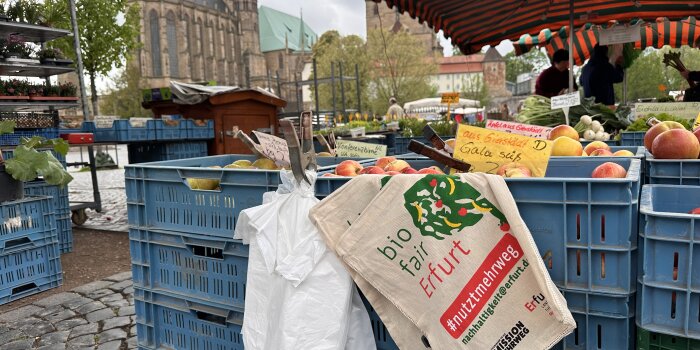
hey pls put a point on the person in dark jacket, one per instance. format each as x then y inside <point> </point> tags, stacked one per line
<point>555,79</point>
<point>599,75</point>
<point>692,94</point>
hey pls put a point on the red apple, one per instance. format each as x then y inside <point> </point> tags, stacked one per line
<point>600,152</point>
<point>514,169</point>
<point>695,211</point>
<point>623,153</point>
<point>676,144</point>
<point>430,171</point>
<point>656,130</point>
<point>409,170</point>
<point>392,173</point>
<point>397,165</point>
<point>384,161</point>
<point>595,145</point>
<point>697,134</point>
<point>348,168</point>
<point>609,170</point>
<point>371,170</point>
<point>563,130</point>
<point>330,175</point>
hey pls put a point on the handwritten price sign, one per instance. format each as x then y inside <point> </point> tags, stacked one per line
<point>486,150</point>
<point>344,148</point>
<point>540,132</point>
<point>273,147</point>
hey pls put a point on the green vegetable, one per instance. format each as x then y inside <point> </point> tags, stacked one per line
<point>537,111</point>
<point>641,123</point>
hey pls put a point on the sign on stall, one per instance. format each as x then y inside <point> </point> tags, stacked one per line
<point>450,97</point>
<point>273,147</point>
<point>345,148</point>
<point>687,110</point>
<point>536,131</point>
<point>567,100</point>
<point>619,35</point>
<point>486,150</point>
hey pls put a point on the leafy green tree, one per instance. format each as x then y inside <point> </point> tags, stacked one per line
<point>109,33</point>
<point>398,68</point>
<point>534,60</point>
<point>473,88</point>
<point>333,49</point>
<point>124,98</point>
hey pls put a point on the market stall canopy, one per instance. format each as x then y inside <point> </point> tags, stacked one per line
<point>436,102</point>
<point>472,24</point>
<point>653,34</point>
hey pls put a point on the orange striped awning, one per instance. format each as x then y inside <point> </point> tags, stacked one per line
<point>472,24</point>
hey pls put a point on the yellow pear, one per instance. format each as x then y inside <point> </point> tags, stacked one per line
<point>324,154</point>
<point>244,163</point>
<point>265,163</point>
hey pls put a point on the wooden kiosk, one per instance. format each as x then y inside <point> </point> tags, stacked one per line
<point>247,109</point>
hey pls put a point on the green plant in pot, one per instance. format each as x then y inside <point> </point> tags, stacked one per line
<point>30,159</point>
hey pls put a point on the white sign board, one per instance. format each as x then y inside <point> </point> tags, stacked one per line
<point>567,100</point>
<point>619,35</point>
<point>536,131</point>
<point>687,110</point>
<point>344,148</point>
<point>273,147</point>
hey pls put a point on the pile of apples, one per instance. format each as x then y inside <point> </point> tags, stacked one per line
<point>670,140</point>
<point>213,184</point>
<point>383,166</point>
<point>566,143</point>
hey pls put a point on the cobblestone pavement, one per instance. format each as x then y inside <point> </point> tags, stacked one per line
<point>99,315</point>
<point>111,184</point>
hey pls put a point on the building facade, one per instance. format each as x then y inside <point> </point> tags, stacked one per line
<point>467,73</point>
<point>200,40</point>
<point>379,15</point>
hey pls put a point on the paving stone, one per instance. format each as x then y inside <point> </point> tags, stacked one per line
<point>132,343</point>
<point>76,303</point>
<point>50,311</point>
<point>128,291</point>
<point>112,297</point>
<point>100,293</point>
<point>18,314</point>
<point>123,276</point>
<point>56,299</point>
<point>37,329</point>
<point>127,310</point>
<point>90,328</point>
<point>22,323</point>
<point>81,341</point>
<point>99,315</point>
<point>90,307</point>
<point>54,347</point>
<point>23,344</point>
<point>11,336</point>
<point>118,287</point>
<point>113,345</point>
<point>60,316</point>
<point>69,324</point>
<point>54,338</point>
<point>116,322</point>
<point>93,286</point>
<point>109,335</point>
<point>132,331</point>
<point>117,304</point>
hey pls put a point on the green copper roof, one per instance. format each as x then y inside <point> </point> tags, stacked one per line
<point>278,28</point>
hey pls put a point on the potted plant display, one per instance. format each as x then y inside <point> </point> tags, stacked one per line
<point>30,159</point>
<point>53,56</point>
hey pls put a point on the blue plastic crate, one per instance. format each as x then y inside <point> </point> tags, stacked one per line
<point>610,143</point>
<point>64,228</point>
<point>166,132</point>
<point>165,322</point>
<point>669,278</point>
<point>122,131</point>
<point>184,150</point>
<point>585,228</point>
<point>29,269</point>
<point>401,143</point>
<point>673,171</point>
<point>26,220</point>
<point>382,338</point>
<point>196,132</point>
<point>158,196</point>
<point>208,270</point>
<point>7,154</point>
<point>603,321</point>
<point>14,138</point>
<point>58,195</point>
<point>632,138</point>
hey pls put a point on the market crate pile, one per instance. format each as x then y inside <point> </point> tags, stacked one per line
<point>123,130</point>
<point>30,260</point>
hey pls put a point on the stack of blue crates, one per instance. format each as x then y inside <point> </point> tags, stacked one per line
<point>144,153</point>
<point>30,260</point>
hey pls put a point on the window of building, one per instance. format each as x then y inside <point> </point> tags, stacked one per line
<point>155,44</point>
<point>173,52</point>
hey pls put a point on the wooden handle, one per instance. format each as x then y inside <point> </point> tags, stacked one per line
<point>438,156</point>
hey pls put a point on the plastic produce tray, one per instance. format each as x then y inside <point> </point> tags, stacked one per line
<point>196,132</point>
<point>657,341</point>
<point>14,138</point>
<point>670,277</point>
<point>673,171</point>
<point>164,322</point>
<point>610,143</point>
<point>64,227</point>
<point>122,131</point>
<point>401,143</point>
<point>58,195</point>
<point>158,196</point>
<point>633,138</point>
<point>209,270</point>
<point>26,220</point>
<point>166,132</point>
<point>29,269</point>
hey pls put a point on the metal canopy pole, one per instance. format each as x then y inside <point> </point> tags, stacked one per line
<point>571,46</point>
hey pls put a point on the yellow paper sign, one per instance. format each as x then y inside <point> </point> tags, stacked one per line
<point>450,97</point>
<point>344,148</point>
<point>697,122</point>
<point>486,150</point>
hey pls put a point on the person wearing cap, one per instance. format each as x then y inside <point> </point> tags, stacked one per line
<point>395,111</point>
<point>598,76</point>
<point>554,80</point>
